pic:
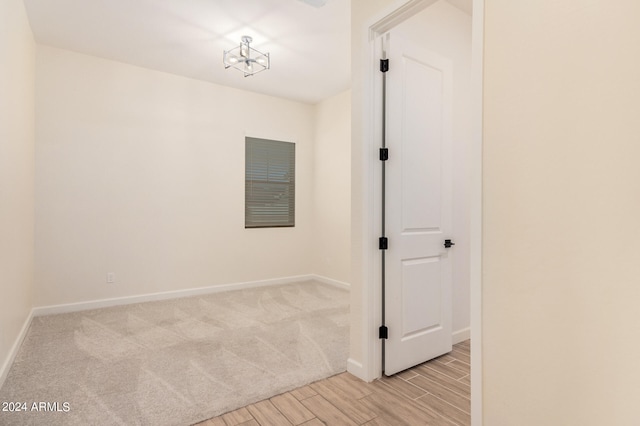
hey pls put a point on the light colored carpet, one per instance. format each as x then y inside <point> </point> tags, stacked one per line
<point>180,361</point>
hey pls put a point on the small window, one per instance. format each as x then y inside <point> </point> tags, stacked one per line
<point>270,185</point>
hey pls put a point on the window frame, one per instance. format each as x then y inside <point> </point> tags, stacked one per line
<point>270,172</point>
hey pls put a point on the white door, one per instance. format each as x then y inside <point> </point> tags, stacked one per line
<point>418,305</point>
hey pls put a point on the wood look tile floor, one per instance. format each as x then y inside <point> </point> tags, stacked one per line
<point>436,392</point>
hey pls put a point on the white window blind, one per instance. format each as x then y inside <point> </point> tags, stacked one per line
<point>270,187</point>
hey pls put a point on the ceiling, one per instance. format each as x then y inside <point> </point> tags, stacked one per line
<point>465,5</point>
<point>309,46</point>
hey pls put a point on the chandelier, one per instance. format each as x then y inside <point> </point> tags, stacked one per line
<point>246,59</point>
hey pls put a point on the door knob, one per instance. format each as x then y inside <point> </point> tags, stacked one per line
<point>449,243</point>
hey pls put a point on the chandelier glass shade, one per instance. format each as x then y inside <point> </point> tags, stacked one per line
<point>246,59</point>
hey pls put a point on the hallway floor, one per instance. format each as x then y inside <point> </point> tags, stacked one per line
<point>436,392</point>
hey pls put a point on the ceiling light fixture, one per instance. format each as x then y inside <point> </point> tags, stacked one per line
<point>246,59</point>
<point>315,3</point>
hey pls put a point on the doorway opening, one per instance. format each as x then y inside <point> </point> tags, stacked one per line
<point>466,165</point>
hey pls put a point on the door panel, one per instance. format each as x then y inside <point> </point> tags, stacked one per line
<point>418,305</point>
<point>421,311</point>
<point>421,171</point>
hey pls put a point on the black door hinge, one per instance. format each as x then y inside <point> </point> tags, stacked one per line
<point>383,332</point>
<point>383,243</point>
<point>449,243</point>
<point>384,65</point>
<point>384,154</point>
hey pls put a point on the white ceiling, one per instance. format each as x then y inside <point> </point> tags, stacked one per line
<point>465,5</point>
<point>309,46</point>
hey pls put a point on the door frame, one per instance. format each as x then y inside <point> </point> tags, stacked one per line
<point>371,364</point>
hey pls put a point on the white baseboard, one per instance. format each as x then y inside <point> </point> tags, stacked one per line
<point>461,335</point>
<point>8,362</point>
<point>356,368</point>
<point>127,300</point>
<point>331,281</point>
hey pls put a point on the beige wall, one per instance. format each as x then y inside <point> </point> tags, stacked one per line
<point>331,193</point>
<point>17,63</point>
<point>561,231</point>
<point>141,173</point>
